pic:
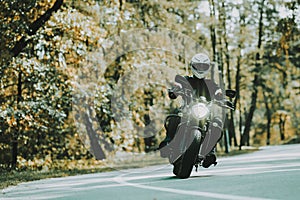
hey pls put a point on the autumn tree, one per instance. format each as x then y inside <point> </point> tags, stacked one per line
<point>35,94</point>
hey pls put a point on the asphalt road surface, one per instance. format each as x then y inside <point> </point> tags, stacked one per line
<point>271,173</point>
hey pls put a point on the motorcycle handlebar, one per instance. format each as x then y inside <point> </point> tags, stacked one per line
<point>186,94</point>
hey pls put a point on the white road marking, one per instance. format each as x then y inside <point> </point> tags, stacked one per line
<point>263,157</point>
<point>187,192</point>
<point>252,169</point>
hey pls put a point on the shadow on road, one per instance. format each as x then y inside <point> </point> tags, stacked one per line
<point>191,177</point>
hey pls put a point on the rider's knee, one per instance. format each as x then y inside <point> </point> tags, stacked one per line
<point>217,128</point>
<point>217,123</point>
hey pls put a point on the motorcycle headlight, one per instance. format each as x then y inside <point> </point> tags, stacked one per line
<point>200,111</point>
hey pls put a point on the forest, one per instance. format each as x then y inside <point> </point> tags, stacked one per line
<point>83,81</point>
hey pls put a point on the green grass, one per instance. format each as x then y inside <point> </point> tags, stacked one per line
<point>237,152</point>
<point>15,177</point>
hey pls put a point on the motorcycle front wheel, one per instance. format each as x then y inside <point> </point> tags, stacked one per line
<point>183,166</point>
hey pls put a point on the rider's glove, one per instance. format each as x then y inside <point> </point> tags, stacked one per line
<point>173,92</point>
<point>219,95</point>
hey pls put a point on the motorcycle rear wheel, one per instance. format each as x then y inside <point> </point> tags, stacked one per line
<point>183,166</point>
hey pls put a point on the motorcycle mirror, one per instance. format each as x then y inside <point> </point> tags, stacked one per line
<point>181,80</point>
<point>230,105</point>
<point>230,93</point>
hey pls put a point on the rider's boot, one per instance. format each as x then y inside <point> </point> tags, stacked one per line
<point>210,159</point>
<point>164,148</point>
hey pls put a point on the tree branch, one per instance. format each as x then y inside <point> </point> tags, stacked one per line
<point>33,28</point>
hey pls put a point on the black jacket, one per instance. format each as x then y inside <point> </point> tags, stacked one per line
<point>201,87</point>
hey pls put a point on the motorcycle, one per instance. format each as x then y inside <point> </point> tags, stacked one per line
<point>195,116</point>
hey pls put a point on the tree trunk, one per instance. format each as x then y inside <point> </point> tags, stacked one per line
<point>14,152</point>
<point>213,30</point>
<point>282,119</point>
<point>93,137</point>
<point>16,133</point>
<point>255,82</point>
<point>237,99</point>
<point>226,139</point>
<point>231,123</point>
<point>237,89</point>
<point>269,118</point>
<point>249,117</point>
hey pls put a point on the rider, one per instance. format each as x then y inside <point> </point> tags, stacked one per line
<point>200,66</point>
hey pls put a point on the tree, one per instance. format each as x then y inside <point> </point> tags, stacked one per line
<point>23,107</point>
<point>256,79</point>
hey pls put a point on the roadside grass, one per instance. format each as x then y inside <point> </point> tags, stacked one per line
<point>235,152</point>
<point>11,178</point>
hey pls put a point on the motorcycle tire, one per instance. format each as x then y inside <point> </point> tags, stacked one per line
<point>183,166</point>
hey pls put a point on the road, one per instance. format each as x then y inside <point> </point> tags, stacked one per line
<point>271,173</point>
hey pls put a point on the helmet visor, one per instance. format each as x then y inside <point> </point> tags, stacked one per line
<point>200,66</point>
